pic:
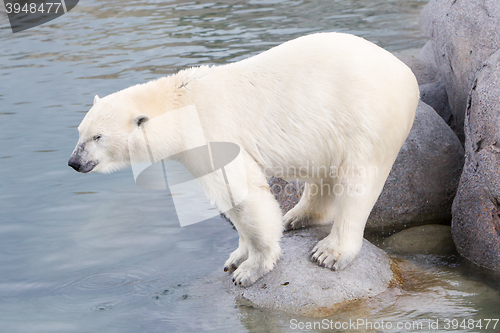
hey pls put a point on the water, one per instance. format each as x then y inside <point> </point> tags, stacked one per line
<point>82,253</point>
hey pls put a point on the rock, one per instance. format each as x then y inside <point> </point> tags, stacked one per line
<point>476,209</point>
<point>464,34</point>
<point>423,181</point>
<point>286,193</point>
<point>431,82</point>
<point>425,71</point>
<point>426,55</point>
<point>298,286</point>
<point>434,94</point>
<point>426,239</point>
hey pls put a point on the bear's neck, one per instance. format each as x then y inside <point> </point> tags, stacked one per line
<point>157,97</point>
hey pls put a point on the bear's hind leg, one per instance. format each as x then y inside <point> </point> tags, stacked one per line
<point>352,208</point>
<point>315,207</point>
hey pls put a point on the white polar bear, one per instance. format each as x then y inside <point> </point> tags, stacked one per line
<point>329,109</point>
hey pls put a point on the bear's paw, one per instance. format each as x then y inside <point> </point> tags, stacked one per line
<point>332,254</point>
<point>248,273</point>
<point>235,259</point>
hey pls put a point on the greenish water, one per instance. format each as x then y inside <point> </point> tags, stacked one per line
<point>96,253</point>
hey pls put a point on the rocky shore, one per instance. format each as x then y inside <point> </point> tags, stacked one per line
<point>465,41</point>
<point>446,173</point>
<point>447,170</point>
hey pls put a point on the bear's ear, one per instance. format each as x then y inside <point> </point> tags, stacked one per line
<point>140,119</point>
<point>96,99</point>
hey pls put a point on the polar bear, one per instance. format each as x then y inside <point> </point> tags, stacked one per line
<point>328,109</point>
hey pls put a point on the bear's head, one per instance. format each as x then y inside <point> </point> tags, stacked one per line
<point>104,132</point>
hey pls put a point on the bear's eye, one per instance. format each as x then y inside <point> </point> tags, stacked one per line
<point>96,137</point>
<point>141,120</point>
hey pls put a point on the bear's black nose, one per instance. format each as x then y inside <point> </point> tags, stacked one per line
<point>74,162</point>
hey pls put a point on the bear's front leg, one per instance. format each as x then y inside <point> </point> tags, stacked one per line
<point>237,257</point>
<point>258,220</point>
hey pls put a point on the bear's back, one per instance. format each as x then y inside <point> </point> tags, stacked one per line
<point>328,89</point>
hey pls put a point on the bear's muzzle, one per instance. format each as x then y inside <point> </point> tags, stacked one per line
<point>79,164</point>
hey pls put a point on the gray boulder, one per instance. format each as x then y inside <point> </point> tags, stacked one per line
<point>424,179</point>
<point>299,286</point>
<point>433,91</point>
<point>286,193</point>
<point>425,239</point>
<point>476,209</point>
<point>434,94</point>
<point>430,80</point>
<point>464,34</point>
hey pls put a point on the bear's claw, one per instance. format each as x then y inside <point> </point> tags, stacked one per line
<point>253,269</point>
<point>236,258</point>
<point>246,275</point>
<point>297,223</point>
<point>329,254</point>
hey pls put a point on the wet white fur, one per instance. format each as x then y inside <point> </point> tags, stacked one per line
<point>324,100</point>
